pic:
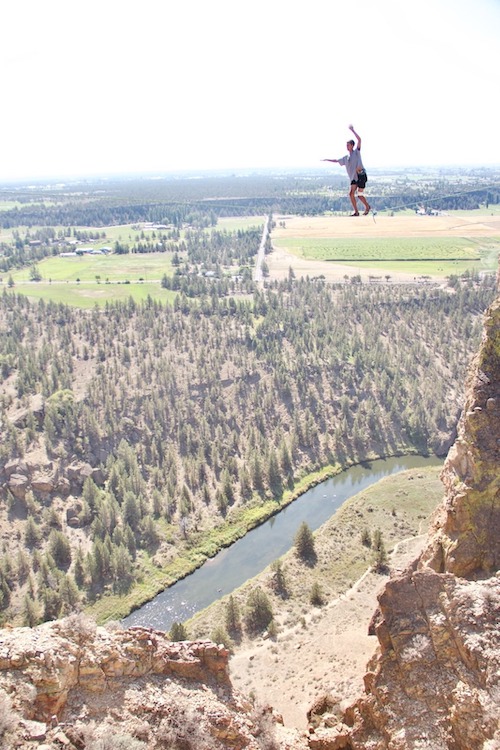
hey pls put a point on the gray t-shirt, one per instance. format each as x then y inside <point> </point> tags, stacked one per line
<point>352,162</point>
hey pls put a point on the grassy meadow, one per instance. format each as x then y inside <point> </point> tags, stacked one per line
<point>88,295</point>
<point>133,267</point>
<point>87,280</point>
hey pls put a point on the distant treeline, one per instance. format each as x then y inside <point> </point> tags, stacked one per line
<point>182,202</point>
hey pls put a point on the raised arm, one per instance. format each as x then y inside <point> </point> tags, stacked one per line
<point>358,137</point>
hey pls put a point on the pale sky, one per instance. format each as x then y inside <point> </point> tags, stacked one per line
<point>103,87</point>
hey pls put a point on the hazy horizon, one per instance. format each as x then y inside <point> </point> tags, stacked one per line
<point>112,89</point>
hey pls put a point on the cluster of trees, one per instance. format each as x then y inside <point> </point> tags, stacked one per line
<point>194,409</point>
<point>222,248</point>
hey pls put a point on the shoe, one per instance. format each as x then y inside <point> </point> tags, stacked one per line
<point>367,211</point>
<point>356,214</point>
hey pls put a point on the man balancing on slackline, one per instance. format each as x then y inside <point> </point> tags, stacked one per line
<point>356,173</point>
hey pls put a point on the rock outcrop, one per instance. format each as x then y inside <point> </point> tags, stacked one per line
<point>465,539</point>
<point>434,683</point>
<point>20,476</point>
<point>64,682</point>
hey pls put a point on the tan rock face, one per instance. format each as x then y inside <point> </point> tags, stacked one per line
<point>56,658</point>
<point>466,535</point>
<point>465,539</point>
<point>435,682</point>
<point>63,679</point>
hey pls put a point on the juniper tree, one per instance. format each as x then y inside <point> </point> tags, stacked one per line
<point>60,549</point>
<point>379,552</point>
<point>304,542</point>
<point>316,595</point>
<point>233,617</point>
<point>278,579</point>
<point>259,612</point>
<point>178,632</point>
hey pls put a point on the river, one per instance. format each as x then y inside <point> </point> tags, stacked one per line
<point>247,557</point>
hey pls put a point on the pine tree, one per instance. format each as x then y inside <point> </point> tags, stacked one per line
<point>278,580</point>
<point>274,477</point>
<point>60,549</point>
<point>32,533</point>
<point>379,552</point>
<point>233,619</point>
<point>30,612</point>
<point>79,568</point>
<point>304,542</point>
<point>259,612</point>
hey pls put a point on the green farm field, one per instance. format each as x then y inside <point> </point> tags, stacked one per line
<point>405,245</point>
<point>87,295</point>
<point>383,248</point>
<point>91,268</point>
<point>84,281</point>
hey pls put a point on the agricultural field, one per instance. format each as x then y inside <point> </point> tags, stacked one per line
<point>87,280</point>
<point>403,246</point>
<point>88,295</point>
<point>110,268</point>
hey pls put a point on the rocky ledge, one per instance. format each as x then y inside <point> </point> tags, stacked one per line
<point>70,684</point>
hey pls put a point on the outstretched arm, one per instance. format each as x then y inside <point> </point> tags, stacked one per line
<point>335,161</point>
<point>358,137</point>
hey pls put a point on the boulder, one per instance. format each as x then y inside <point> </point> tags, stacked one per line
<point>18,484</point>
<point>43,483</point>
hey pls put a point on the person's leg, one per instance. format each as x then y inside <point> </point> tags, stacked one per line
<point>352,196</point>
<point>363,201</point>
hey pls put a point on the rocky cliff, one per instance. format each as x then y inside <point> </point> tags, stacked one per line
<point>435,680</point>
<point>71,684</point>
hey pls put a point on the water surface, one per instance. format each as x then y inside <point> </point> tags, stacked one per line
<point>247,557</point>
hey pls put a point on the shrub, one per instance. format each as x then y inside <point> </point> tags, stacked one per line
<point>79,627</point>
<point>316,595</point>
<point>104,738</point>
<point>182,729</point>
<point>220,635</point>
<point>264,728</point>
<point>178,632</point>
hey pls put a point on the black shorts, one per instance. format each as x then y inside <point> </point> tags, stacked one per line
<point>361,181</point>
